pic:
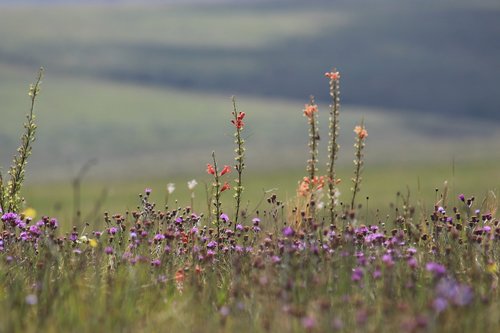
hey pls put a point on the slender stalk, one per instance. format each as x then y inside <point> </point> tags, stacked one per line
<point>361,135</point>
<point>333,146</point>
<point>310,112</point>
<point>216,202</point>
<point>18,167</point>
<point>2,194</point>
<point>240,156</point>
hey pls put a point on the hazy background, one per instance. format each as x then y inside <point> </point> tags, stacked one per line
<point>144,86</point>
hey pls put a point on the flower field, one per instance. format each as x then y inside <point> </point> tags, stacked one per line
<point>315,262</point>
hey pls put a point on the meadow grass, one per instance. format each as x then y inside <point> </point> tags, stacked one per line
<point>427,263</point>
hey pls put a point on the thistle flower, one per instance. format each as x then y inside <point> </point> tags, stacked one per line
<point>437,269</point>
<point>288,231</point>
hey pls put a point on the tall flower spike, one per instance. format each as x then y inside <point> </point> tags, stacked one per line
<point>333,146</point>
<point>361,135</point>
<point>239,158</point>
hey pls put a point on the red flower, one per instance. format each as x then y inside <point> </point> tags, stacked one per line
<point>210,169</point>
<point>333,75</point>
<point>225,187</point>
<point>226,169</point>
<point>239,120</point>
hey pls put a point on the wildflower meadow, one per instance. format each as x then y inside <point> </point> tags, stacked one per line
<point>313,262</point>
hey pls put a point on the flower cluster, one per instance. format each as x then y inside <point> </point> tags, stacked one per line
<point>238,121</point>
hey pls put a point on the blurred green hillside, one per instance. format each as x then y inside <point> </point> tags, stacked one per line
<point>145,90</point>
<point>419,56</point>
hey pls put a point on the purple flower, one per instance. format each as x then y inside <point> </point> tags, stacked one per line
<point>412,262</point>
<point>288,231</point>
<point>239,227</point>
<point>357,274</point>
<point>53,224</point>
<point>224,311</point>
<point>159,237</point>
<point>108,250</point>
<point>439,304</point>
<point>275,259</point>
<point>224,217</point>
<point>9,217</point>
<point>387,259</point>
<point>112,230</point>
<point>437,269</point>
<point>155,262</point>
<point>308,322</point>
<point>461,197</point>
<point>456,293</point>
<point>179,220</point>
<point>34,230</point>
<point>212,245</point>
<point>256,221</point>
<point>411,251</point>
<point>147,191</point>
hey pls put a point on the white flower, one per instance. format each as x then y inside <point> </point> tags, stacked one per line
<point>192,184</point>
<point>170,188</point>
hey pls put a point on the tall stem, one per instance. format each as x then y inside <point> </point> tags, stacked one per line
<point>333,146</point>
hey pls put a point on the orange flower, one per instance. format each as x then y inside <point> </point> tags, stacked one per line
<point>333,75</point>
<point>319,182</point>
<point>210,169</point>
<point>225,170</point>
<point>179,276</point>
<point>361,132</point>
<point>310,109</point>
<point>225,187</point>
<point>304,187</point>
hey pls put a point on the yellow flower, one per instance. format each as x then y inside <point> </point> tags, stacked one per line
<point>29,212</point>
<point>492,268</point>
<point>92,242</point>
